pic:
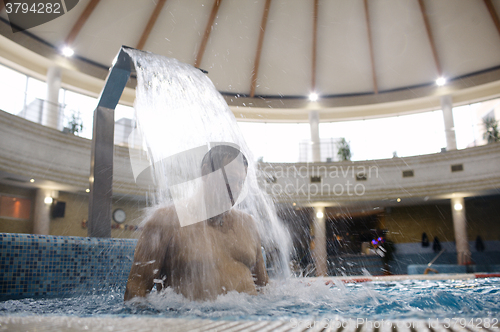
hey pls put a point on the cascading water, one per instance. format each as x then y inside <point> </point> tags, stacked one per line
<point>180,117</point>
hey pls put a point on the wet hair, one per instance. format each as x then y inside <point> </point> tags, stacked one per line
<point>218,157</point>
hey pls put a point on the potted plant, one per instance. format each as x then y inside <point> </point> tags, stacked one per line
<point>491,133</point>
<point>75,124</point>
<point>344,150</point>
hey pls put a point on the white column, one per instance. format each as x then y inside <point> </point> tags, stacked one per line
<point>41,219</point>
<point>319,254</point>
<point>449,127</point>
<point>460,227</point>
<point>51,112</point>
<point>314,124</point>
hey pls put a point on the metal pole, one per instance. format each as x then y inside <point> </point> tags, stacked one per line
<point>101,163</point>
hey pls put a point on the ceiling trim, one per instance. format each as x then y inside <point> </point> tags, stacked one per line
<point>493,14</point>
<point>208,30</point>
<point>370,45</point>
<point>150,25</point>
<point>77,27</point>
<point>470,89</point>
<point>258,52</point>
<point>431,38</point>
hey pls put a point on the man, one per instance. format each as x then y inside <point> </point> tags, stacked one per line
<point>206,258</point>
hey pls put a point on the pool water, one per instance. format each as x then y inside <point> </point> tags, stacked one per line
<point>292,298</point>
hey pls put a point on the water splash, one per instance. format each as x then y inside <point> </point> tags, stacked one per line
<point>179,110</point>
<point>292,298</point>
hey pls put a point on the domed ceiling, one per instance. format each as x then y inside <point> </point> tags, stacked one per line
<point>274,53</point>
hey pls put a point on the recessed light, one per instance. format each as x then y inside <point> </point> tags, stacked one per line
<point>313,96</point>
<point>67,51</point>
<point>441,81</point>
<point>32,180</point>
<point>319,215</point>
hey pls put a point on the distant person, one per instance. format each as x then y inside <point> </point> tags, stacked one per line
<point>479,244</point>
<point>425,240</point>
<point>207,258</point>
<point>436,245</point>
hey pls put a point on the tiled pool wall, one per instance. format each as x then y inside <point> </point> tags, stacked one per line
<point>55,266</point>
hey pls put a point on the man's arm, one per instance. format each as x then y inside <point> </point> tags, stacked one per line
<point>259,271</point>
<point>148,260</point>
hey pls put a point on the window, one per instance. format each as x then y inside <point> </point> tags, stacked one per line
<point>15,207</point>
<point>12,90</point>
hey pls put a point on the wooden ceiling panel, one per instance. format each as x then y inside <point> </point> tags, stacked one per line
<point>152,20</point>
<point>343,58</point>
<point>80,22</point>
<point>402,52</point>
<point>466,38</point>
<point>230,65</point>
<point>103,34</point>
<point>208,30</point>
<point>286,52</point>
<point>56,31</point>
<point>179,30</point>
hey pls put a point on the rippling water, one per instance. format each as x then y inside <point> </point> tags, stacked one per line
<point>411,299</point>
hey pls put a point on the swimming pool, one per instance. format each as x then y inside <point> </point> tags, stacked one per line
<point>291,299</point>
<point>66,283</point>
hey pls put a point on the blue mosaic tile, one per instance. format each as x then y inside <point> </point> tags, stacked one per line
<point>53,266</point>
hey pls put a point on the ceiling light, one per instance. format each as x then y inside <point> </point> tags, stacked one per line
<point>319,215</point>
<point>87,190</point>
<point>67,51</point>
<point>32,180</point>
<point>398,200</point>
<point>441,81</point>
<point>48,200</point>
<point>313,96</point>
<point>458,207</point>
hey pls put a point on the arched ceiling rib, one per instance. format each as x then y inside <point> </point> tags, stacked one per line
<point>314,46</point>
<point>150,25</point>
<point>370,46</point>
<point>262,33</point>
<point>493,14</point>
<point>81,22</point>
<point>208,30</point>
<point>431,38</point>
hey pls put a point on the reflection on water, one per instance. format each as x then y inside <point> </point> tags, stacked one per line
<point>293,298</point>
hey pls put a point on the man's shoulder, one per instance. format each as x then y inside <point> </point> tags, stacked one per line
<point>162,216</point>
<point>241,214</point>
<point>243,218</point>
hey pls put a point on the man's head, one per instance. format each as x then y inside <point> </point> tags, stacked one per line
<point>233,165</point>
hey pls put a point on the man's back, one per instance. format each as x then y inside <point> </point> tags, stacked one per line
<point>199,261</point>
